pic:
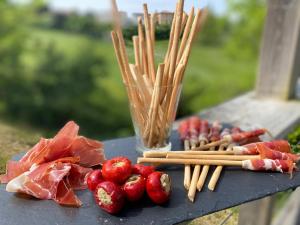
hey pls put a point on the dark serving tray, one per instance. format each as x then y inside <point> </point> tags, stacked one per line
<point>235,187</point>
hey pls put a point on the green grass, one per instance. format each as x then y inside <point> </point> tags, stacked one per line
<point>14,139</point>
<point>212,76</point>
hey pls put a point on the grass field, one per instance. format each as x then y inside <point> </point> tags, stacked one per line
<point>211,78</point>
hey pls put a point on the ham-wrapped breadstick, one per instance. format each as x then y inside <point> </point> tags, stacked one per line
<point>245,135</point>
<point>267,153</point>
<point>215,130</point>
<point>204,131</point>
<point>183,131</point>
<point>236,130</point>
<point>242,137</point>
<point>216,174</point>
<point>224,132</point>
<point>269,164</point>
<point>195,124</point>
<point>203,138</point>
<point>252,149</point>
<point>251,164</point>
<point>194,128</point>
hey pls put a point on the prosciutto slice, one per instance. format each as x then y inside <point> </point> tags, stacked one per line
<point>267,153</point>
<point>54,180</point>
<point>55,167</point>
<point>252,149</point>
<point>194,128</point>
<point>269,164</point>
<point>89,151</point>
<point>225,132</point>
<point>236,130</point>
<point>215,130</point>
<point>66,143</point>
<point>204,131</point>
<point>245,136</point>
<point>183,130</point>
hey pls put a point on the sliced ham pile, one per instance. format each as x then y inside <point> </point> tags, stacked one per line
<point>55,167</point>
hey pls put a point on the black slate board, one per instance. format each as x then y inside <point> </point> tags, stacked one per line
<point>235,187</point>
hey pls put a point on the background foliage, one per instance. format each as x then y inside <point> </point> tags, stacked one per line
<point>55,67</point>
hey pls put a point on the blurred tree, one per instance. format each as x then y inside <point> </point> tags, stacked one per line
<point>215,30</point>
<point>59,20</point>
<point>130,31</point>
<point>162,32</point>
<point>73,23</point>
<point>84,24</point>
<point>56,87</point>
<point>247,17</point>
<point>12,39</point>
<point>61,88</point>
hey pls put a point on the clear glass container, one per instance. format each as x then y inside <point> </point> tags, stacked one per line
<point>153,111</point>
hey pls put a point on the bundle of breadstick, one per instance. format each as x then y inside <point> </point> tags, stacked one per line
<point>153,91</point>
<point>209,149</point>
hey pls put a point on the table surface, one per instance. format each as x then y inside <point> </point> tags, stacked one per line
<point>234,188</point>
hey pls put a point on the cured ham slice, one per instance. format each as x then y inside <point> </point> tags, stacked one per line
<point>236,130</point>
<point>54,180</point>
<point>89,151</point>
<point>194,128</point>
<point>183,130</point>
<point>269,164</point>
<point>15,168</point>
<point>32,153</point>
<point>59,146</point>
<point>55,167</point>
<point>245,136</point>
<point>252,149</point>
<point>66,196</point>
<point>267,153</point>
<point>279,145</point>
<point>204,131</point>
<point>66,143</point>
<point>77,177</point>
<point>215,130</point>
<point>225,132</point>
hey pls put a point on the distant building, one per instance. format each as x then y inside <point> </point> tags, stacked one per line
<point>135,16</point>
<point>165,17</point>
<point>107,17</point>
<point>161,17</point>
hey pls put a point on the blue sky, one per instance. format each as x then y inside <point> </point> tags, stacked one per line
<point>130,6</point>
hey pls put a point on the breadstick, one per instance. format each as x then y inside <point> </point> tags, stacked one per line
<point>187,169</point>
<point>216,175</point>
<point>190,161</point>
<point>150,49</point>
<point>163,154</point>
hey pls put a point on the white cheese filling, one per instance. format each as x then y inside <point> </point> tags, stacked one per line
<point>238,150</point>
<point>247,164</point>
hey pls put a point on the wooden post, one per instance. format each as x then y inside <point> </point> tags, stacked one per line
<point>256,212</point>
<point>280,51</point>
<point>290,214</point>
